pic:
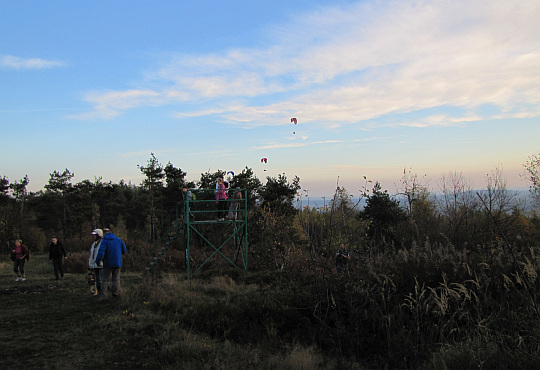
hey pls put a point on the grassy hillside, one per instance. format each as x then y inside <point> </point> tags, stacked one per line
<point>58,324</point>
<point>426,307</point>
<point>158,322</point>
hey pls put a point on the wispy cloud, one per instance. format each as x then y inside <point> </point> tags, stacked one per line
<point>368,139</point>
<point>113,103</point>
<point>13,62</point>
<point>361,62</point>
<point>36,110</point>
<point>297,145</point>
<point>442,120</point>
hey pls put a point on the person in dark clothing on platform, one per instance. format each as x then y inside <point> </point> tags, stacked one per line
<point>57,254</point>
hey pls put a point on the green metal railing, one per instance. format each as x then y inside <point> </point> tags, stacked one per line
<point>201,216</point>
<point>201,212</point>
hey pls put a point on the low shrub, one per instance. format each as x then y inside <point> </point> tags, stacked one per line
<point>77,262</point>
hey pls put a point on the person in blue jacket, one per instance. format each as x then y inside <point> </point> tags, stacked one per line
<point>110,254</point>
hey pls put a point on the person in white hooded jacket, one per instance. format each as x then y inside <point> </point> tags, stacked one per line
<point>96,269</point>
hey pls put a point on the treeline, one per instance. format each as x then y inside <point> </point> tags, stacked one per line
<point>281,232</point>
<point>137,212</point>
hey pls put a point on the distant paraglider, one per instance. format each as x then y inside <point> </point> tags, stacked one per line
<point>231,173</point>
<point>264,160</point>
<point>295,122</point>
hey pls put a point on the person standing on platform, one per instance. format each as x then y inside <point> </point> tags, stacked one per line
<point>221,199</point>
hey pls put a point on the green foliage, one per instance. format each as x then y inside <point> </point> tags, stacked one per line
<point>4,187</point>
<point>208,180</point>
<point>532,167</point>
<point>18,188</point>
<point>153,187</point>
<point>276,243</point>
<point>383,215</point>
<point>323,229</point>
<point>174,177</point>
<point>172,193</point>
<point>278,194</point>
<point>60,183</point>
<point>154,174</point>
<point>57,189</point>
<point>247,180</point>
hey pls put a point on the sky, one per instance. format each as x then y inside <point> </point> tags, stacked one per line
<point>377,87</point>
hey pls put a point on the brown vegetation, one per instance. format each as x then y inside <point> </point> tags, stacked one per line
<point>447,281</point>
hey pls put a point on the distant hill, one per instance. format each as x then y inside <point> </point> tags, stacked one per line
<point>523,199</point>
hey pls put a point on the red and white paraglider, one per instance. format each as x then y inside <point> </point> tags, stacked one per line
<point>295,122</point>
<point>264,160</point>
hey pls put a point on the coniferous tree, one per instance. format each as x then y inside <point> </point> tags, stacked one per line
<point>4,204</point>
<point>383,214</point>
<point>172,194</point>
<point>247,180</point>
<point>58,186</point>
<point>18,188</point>
<point>153,185</point>
<point>278,195</point>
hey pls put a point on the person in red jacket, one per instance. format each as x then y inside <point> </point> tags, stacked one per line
<point>22,254</point>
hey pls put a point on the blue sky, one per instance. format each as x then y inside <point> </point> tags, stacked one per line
<point>434,87</point>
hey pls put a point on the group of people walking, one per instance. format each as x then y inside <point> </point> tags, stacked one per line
<point>105,260</point>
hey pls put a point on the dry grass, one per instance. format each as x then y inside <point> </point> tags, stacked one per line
<point>430,306</point>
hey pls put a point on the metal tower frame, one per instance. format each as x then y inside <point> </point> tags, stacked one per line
<point>231,231</point>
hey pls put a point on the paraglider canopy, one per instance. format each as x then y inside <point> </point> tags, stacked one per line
<point>264,160</point>
<point>295,122</point>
